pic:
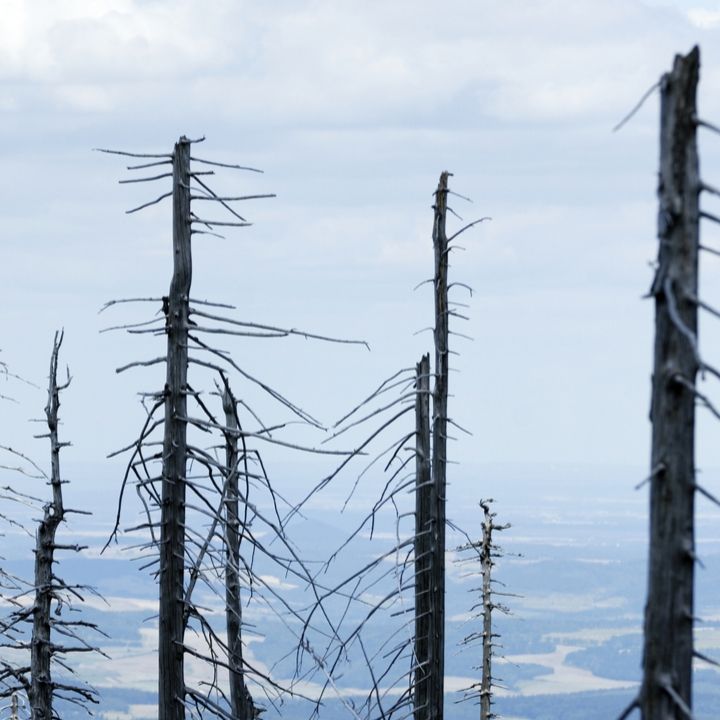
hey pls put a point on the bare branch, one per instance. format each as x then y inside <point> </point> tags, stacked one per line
<point>148,204</point>
<point>637,106</point>
<point>144,179</point>
<point>225,165</point>
<point>129,154</point>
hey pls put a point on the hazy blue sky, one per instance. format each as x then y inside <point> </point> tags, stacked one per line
<point>353,109</point>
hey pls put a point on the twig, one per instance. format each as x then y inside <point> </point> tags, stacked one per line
<point>707,125</point>
<point>467,227</point>
<point>225,165</point>
<point>110,303</point>
<point>637,107</point>
<point>144,179</point>
<point>148,204</point>
<point>129,154</point>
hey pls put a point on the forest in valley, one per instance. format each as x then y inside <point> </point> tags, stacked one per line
<point>355,612</point>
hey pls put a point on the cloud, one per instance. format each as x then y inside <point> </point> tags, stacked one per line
<point>276,583</point>
<point>121,604</point>
<point>135,712</point>
<point>337,64</point>
<point>103,43</point>
<point>703,18</point>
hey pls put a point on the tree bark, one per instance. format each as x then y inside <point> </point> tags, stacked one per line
<point>439,452</point>
<point>668,638</point>
<point>486,550</point>
<point>171,689</point>
<point>423,529</point>
<point>40,693</point>
<point>240,699</point>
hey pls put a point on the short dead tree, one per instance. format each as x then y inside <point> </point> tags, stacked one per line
<point>483,553</point>
<point>40,632</point>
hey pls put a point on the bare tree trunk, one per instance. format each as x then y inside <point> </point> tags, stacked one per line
<point>171,690</point>
<point>439,453</point>
<point>668,651</point>
<point>41,688</point>
<point>240,699</point>
<point>423,498</point>
<point>486,561</point>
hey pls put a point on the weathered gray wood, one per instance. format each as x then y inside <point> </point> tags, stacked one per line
<point>439,454</point>
<point>486,562</point>
<point>668,643</point>
<point>423,495</point>
<point>240,699</point>
<point>41,694</point>
<point>171,686</point>
<point>51,631</point>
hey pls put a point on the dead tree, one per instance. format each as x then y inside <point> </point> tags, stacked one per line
<point>668,651</point>
<point>240,698</point>
<point>486,560</point>
<point>41,690</point>
<point>173,480</point>
<point>175,451</point>
<point>192,505</point>
<point>430,529</point>
<point>484,553</point>
<point>16,707</point>
<point>50,592</point>
<point>413,654</point>
<point>436,571</point>
<point>424,503</point>
<point>666,688</point>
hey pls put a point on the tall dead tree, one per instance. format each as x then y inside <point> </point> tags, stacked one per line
<point>175,451</point>
<point>436,630</point>
<point>666,688</point>
<point>668,652</point>
<point>192,508</point>
<point>431,488</point>
<point>419,550</point>
<point>430,527</point>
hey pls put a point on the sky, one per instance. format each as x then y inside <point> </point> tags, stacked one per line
<point>352,110</point>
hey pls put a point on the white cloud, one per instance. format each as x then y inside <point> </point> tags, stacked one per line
<point>276,583</point>
<point>106,42</point>
<point>135,712</point>
<point>332,63</point>
<point>121,604</point>
<point>704,18</point>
